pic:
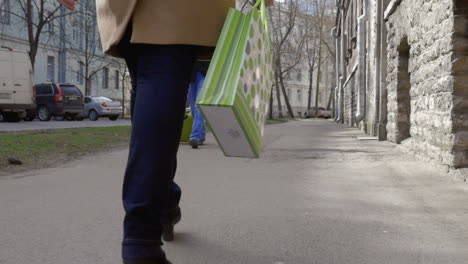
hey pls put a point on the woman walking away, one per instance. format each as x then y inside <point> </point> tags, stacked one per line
<point>160,41</point>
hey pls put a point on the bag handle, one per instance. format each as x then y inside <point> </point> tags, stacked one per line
<point>258,3</point>
<point>263,14</point>
<point>263,11</point>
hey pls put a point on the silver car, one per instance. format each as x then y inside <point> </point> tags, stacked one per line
<point>98,106</point>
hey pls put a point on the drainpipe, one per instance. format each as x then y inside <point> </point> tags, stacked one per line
<point>343,65</point>
<point>382,129</point>
<point>62,47</point>
<point>337,74</point>
<point>361,70</point>
<point>378,52</point>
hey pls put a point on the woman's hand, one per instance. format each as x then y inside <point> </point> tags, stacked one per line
<point>69,4</point>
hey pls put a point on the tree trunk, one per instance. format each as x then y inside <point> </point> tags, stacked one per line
<point>87,81</point>
<point>286,97</point>
<point>278,94</point>
<point>311,81</point>
<point>330,99</point>
<point>270,111</point>
<point>318,77</point>
<point>123,95</point>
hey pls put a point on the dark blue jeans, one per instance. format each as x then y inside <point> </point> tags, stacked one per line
<point>160,77</point>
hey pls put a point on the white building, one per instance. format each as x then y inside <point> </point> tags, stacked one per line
<point>64,46</point>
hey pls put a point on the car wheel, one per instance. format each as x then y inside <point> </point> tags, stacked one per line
<point>113,118</point>
<point>43,113</point>
<point>93,115</point>
<point>1,117</point>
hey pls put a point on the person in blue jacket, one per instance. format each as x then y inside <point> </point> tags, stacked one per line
<point>198,129</point>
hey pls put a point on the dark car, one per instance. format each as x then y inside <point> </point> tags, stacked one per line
<point>58,100</point>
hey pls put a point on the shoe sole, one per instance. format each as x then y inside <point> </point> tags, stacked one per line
<point>144,261</point>
<point>194,144</point>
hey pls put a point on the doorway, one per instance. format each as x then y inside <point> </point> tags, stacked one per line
<point>403,93</point>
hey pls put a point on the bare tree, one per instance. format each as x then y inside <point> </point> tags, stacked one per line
<point>85,45</point>
<point>123,74</point>
<point>287,46</point>
<point>37,15</point>
<point>319,44</point>
<point>310,47</point>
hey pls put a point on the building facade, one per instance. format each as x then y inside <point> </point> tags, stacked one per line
<point>403,72</point>
<point>298,83</point>
<point>69,50</point>
<point>301,49</point>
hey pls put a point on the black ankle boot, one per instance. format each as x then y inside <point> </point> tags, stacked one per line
<point>174,217</point>
<point>134,252</point>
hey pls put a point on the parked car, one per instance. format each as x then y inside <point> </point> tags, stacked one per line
<point>322,113</point>
<point>58,100</point>
<point>98,106</point>
<point>16,82</point>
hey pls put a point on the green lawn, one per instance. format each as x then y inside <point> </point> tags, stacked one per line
<point>45,148</point>
<point>52,147</point>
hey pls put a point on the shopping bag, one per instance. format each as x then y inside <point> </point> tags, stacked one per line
<point>187,127</point>
<point>236,94</point>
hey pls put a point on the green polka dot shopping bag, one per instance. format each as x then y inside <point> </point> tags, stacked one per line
<point>236,94</point>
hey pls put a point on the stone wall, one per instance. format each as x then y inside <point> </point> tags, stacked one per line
<point>428,27</point>
<point>350,100</point>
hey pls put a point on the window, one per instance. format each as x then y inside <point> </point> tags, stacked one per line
<point>299,76</point>
<point>299,95</point>
<point>301,29</point>
<point>70,90</point>
<point>51,68</point>
<point>74,29</point>
<point>117,80</point>
<point>102,99</point>
<point>50,27</point>
<point>105,78</point>
<point>44,90</point>
<point>5,12</point>
<point>80,74</point>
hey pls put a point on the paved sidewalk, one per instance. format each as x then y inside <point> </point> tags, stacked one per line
<point>317,196</point>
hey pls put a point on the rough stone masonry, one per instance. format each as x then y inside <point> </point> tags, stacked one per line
<point>427,77</point>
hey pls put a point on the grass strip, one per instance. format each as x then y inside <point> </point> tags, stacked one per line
<point>276,121</point>
<point>44,148</point>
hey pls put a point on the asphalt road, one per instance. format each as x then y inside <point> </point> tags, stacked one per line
<point>38,125</point>
<point>318,195</point>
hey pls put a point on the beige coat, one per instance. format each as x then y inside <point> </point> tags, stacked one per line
<point>191,22</point>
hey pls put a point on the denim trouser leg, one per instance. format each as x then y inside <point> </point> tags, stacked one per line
<point>198,129</point>
<point>160,77</point>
